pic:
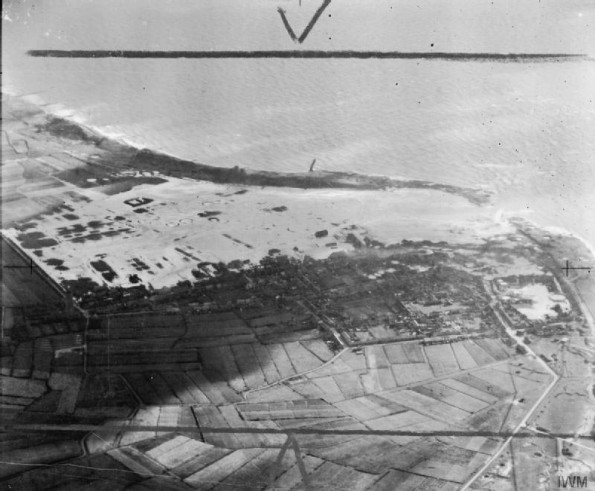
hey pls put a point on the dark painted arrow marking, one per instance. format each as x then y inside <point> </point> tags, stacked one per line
<point>308,28</point>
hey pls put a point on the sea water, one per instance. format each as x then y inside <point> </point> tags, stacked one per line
<point>525,131</point>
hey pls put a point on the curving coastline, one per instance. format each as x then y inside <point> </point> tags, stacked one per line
<point>145,159</point>
<point>149,160</point>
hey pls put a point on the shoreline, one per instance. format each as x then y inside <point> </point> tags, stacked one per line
<point>517,221</point>
<point>557,230</point>
<point>565,232</point>
<point>511,216</point>
<point>146,159</point>
<point>582,287</point>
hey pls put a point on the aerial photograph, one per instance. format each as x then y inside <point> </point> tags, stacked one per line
<point>297,245</point>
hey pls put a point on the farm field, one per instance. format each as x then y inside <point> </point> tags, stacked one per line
<point>237,370</point>
<point>391,366</point>
<point>350,392</point>
<point>208,358</point>
<point>449,397</point>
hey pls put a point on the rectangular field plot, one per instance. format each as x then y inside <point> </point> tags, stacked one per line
<point>246,360</point>
<point>292,478</point>
<point>235,420</point>
<point>377,456</point>
<point>353,452</point>
<point>365,408</point>
<point>395,354</point>
<point>172,456</point>
<point>333,476</point>
<point>225,359</point>
<point>184,388</point>
<point>222,468</point>
<point>536,375</point>
<point>389,405</point>
<point>454,465</point>
<point>451,396</point>
<point>302,359</point>
<point>278,392</point>
<point>424,430</point>
<point>318,348</point>
<point>138,361</point>
<point>400,420</point>
<point>338,366</point>
<point>329,389</point>
<point>274,318</point>
<point>441,359</point>
<point>349,383</point>
<point>312,441</point>
<point>355,361</point>
<point>308,408</point>
<point>215,325</point>
<point>414,352</point>
<point>464,359</point>
<point>416,452</point>
<point>199,460</point>
<point>289,336</point>
<point>493,347</point>
<point>426,405</point>
<point>376,357</point>
<point>220,359</point>
<point>496,377</point>
<point>144,321</point>
<point>483,385</point>
<point>411,373</point>
<point>171,415</point>
<point>523,385</point>
<point>214,387</point>
<point>377,380</point>
<point>474,443</point>
<point>469,390</point>
<point>267,364</point>
<point>252,472</point>
<point>166,447</point>
<point>211,417</point>
<point>404,480</point>
<point>152,388</point>
<point>480,356</point>
<point>281,360</point>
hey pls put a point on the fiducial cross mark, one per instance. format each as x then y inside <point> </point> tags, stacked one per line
<point>569,268</point>
<point>31,266</point>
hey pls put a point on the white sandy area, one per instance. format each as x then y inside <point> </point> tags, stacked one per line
<point>542,301</point>
<point>247,227</point>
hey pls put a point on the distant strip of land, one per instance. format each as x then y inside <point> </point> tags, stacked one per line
<point>312,54</point>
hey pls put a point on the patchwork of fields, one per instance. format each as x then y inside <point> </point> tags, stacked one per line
<point>470,385</point>
<point>190,372</point>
